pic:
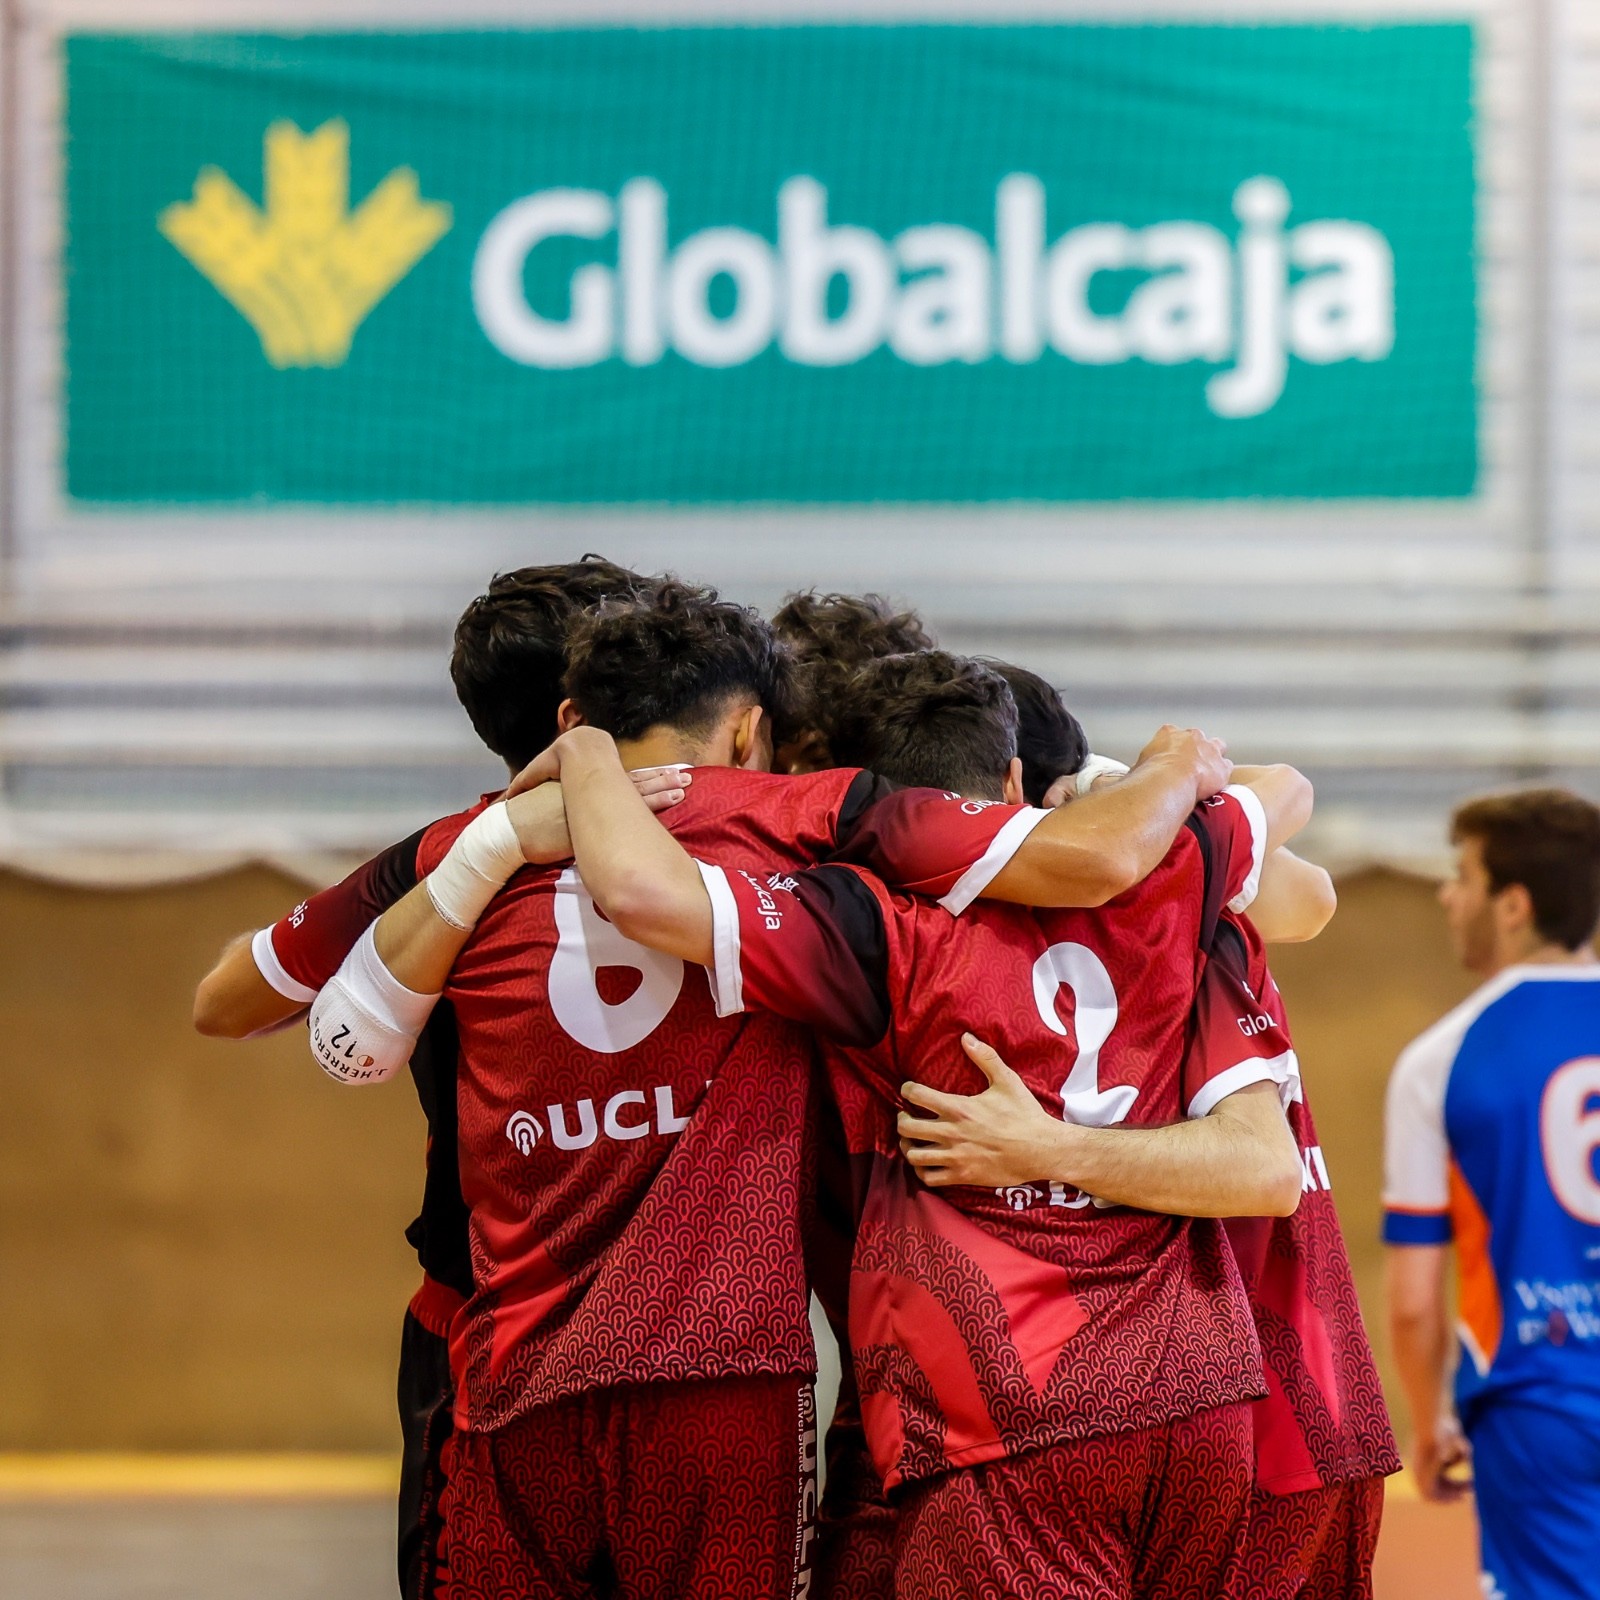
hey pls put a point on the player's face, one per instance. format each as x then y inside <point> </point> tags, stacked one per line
<point>1468,902</point>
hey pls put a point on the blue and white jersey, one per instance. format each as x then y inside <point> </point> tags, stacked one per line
<point>1493,1134</point>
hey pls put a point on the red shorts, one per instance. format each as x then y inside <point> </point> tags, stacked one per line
<point>1314,1545</point>
<point>1158,1514</point>
<point>855,1523</point>
<point>693,1491</point>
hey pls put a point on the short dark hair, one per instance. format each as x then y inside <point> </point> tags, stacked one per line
<point>510,649</point>
<point>1050,740</point>
<point>1548,840</point>
<point>830,636</point>
<point>930,720</point>
<point>673,659</point>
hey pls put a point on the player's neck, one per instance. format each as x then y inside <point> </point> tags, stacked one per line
<point>660,747</point>
<point>1536,952</point>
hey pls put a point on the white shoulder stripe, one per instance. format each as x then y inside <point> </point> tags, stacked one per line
<point>724,976</point>
<point>271,968</point>
<point>1256,813</point>
<point>1416,1173</point>
<point>1283,1070</point>
<point>1005,844</point>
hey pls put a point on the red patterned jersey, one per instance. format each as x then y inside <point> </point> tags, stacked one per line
<point>633,1159</point>
<point>1323,1419</point>
<point>986,1322</point>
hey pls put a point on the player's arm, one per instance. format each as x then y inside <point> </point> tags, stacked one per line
<point>1418,1230</point>
<point>368,1016</point>
<point>1419,1336</point>
<point>1237,1160</point>
<point>1089,852</point>
<point>1286,798</point>
<point>645,882</point>
<point>1295,902</point>
<point>1122,830</point>
<point>267,979</point>
<point>234,1000</point>
<point>1296,899</point>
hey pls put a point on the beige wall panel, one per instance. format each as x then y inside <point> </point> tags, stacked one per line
<point>200,1242</point>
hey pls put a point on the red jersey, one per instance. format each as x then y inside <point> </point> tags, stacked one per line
<point>1323,1420</point>
<point>989,1322</point>
<point>633,1154</point>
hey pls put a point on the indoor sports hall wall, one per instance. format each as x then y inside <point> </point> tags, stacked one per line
<point>1233,360</point>
<point>201,1242</point>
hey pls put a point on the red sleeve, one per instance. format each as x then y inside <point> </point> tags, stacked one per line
<point>811,946</point>
<point>1238,1035</point>
<point>930,842</point>
<point>1235,829</point>
<point>298,954</point>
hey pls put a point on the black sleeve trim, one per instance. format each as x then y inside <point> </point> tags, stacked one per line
<point>865,791</point>
<point>1215,884</point>
<point>394,873</point>
<point>851,910</point>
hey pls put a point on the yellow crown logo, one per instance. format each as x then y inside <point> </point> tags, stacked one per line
<point>305,272</point>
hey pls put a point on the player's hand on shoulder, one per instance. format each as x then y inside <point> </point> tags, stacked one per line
<point>1206,758</point>
<point>661,788</point>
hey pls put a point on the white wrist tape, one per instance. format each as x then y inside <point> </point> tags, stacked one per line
<point>1096,767</point>
<point>365,1022</point>
<point>476,867</point>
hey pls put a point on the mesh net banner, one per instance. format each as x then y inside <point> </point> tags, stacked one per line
<point>685,265</point>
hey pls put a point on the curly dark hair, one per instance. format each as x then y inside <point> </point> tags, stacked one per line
<point>831,635</point>
<point>673,659</point>
<point>510,649</point>
<point>930,720</point>
<point>1050,740</point>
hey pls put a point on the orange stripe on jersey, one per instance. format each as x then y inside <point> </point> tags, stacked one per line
<point>1479,1293</point>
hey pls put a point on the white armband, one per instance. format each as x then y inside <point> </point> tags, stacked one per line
<point>475,868</point>
<point>365,1022</point>
<point>1096,767</point>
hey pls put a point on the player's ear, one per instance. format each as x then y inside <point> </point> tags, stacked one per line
<point>568,716</point>
<point>752,741</point>
<point>1013,787</point>
<point>1514,906</point>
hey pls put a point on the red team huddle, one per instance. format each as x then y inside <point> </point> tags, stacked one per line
<point>982,1074</point>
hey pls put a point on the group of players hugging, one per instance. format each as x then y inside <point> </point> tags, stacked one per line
<point>982,1051</point>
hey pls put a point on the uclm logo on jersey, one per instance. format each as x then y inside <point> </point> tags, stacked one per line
<point>629,1114</point>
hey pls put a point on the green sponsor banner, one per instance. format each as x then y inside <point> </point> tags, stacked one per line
<point>799,264</point>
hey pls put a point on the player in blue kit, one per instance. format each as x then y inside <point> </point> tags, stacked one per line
<point>1492,1143</point>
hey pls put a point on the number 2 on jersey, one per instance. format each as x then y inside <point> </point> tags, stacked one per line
<point>1078,968</point>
